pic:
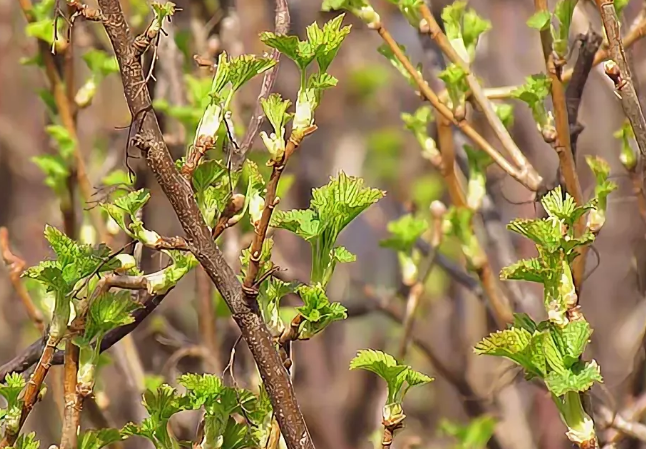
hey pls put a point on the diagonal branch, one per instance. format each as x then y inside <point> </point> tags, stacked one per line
<point>478,94</point>
<point>150,141</point>
<point>617,69</point>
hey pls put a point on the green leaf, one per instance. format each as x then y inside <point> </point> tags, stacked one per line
<point>27,441</point>
<point>317,311</point>
<point>201,388</point>
<point>275,108</point>
<point>524,321</point>
<point>463,28</point>
<point>546,233</point>
<point>455,79</point>
<point>162,403</point>
<point>11,387</point>
<point>332,208</point>
<point>533,93</point>
<point>56,172</point>
<point>97,439</point>
<point>405,231</point>
<point>579,378</point>
<point>563,12</point>
<point>342,255</point>
<point>505,113</point>
<point>620,5</point>
<point>516,344</point>
<point>206,174</point>
<point>41,29</point>
<point>540,20</point>
<point>531,270</point>
<point>243,68</point>
<point>162,281</point>
<point>133,201</point>
<point>572,340</point>
<point>269,296</point>
<point>473,435</point>
<point>385,366</point>
<point>301,52</point>
<point>100,63</point>
<point>118,177</point>
<point>63,139</point>
<point>327,40</point>
<point>387,52</point>
<point>108,311</point>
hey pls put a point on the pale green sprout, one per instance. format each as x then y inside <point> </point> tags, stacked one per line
<point>418,123</point>
<point>276,112</point>
<point>101,65</point>
<point>404,234</point>
<point>10,390</point>
<point>627,156</point>
<point>463,28</point>
<point>477,184</point>
<point>534,92</point>
<point>457,223</point>
<point>399,379</point>
<point>603,188</point>
<point>360,8</point>
<point>542,20</point>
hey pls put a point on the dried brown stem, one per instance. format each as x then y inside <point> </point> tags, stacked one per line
<point>478,94</point>
<point>523,176</point>
<point>625,88</point>
<point>32,389</point>
<point>16,265</point>
<point>633,429</point>
<point>149,140</point>
<point>73,401</point>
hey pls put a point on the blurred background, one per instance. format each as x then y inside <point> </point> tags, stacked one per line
<point>360,132</point>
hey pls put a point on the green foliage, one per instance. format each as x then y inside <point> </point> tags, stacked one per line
<point>161,405</point>
<point>220,403</point>
<point>603,188</point>
<point>455,79</point>
<point>620,5</point>
<point>477,185</point>
<point>404,234</point>
<point>26,441</point>
<point>73,263</point>
<point>463,27</point>
<point>332,208</point>
<point>10,390</point>
<point>43,25</point>
<point>418,123</point>
<point>627,156</point>
<point>98,439</point>
<point>505,113</point>
<point>410,10</point>
<point>318,312</point>
<point>399,379</point>
<point>275,109</point>
<point>473,435</point>
<point>388,53</point>
<point>101,65</point>
<point>542,20</point>
<point>533,93</point>
<point>269,296</point>
<point>457,223</point>
<point>56,167</point>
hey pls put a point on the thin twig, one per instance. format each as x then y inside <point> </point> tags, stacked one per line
<point>619,71</point>
<point>525,177</point>
<point>561,141</point>
<point>150,141</point>
<point>281,25</point>
<point>207,320</point>
<point>478,94</point>
<point>16,265</point>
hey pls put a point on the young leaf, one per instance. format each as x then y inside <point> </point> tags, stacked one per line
<point>275,110</point>
<point>301,52</point>
<point>477,185</point>
<point>387,52</point>
<point>27,441</point>
<point>455,79</point>
<point>108,311</point>
<point>317,311</point>
<point>100,63</point>
<point>540,20</point>
<point>243,68</point>
<point>327,41</point>
<point>269,296</point>
<point>534,92</point>
<point>514,344</point>
<point>463,28</point>
<point>98,439</point>
<point>386,367</point>
<point>404,233</point>
<point>563,12</point>
<point>577,379</point>
<point>531,270</point>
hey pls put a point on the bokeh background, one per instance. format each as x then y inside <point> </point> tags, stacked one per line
<point>360,132</point>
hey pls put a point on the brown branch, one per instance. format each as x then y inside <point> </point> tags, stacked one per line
<point>633,429</point>
<point>73,401</point>
<point>478,94</point>
<point>149,140</point>
<point>281,26</point>
<point>16,265</point>
<point>561,141</point>
<point>271,201</point>
<point>623,83</point>
<point>525,177</point>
